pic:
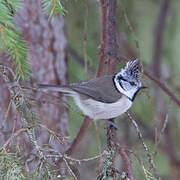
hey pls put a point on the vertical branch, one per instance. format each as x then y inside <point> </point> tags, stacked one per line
<point>158,39</point>
<point>111,35</point>
<point>158,36</point>
<point>85,39</point>
<point>102,46</point>
<point>111,55</point>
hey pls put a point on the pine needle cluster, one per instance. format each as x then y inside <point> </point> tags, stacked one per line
<point>11,41</point>
<point>10,166</point>
<point>53,7</point>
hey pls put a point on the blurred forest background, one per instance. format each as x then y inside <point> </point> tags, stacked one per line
<point>67,48</point>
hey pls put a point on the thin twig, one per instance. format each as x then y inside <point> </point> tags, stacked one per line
<point>11,138</point>
<point>147,174</point>
<point>133,32</point>
<point>8,109</point>
<point>161,133</point>
<point>59,138</point>
<point>86,159</point>
<point>99,145</point>
<point>151,162</point>
<point>72,173</point>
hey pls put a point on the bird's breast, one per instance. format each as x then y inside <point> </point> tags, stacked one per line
<point>99,110</point>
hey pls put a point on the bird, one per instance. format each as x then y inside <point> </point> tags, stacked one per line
<point>104,97</point>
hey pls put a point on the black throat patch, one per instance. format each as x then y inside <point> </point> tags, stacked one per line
<point>135,94</point>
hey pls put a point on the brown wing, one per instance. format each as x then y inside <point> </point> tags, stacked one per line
<point>101,89</point>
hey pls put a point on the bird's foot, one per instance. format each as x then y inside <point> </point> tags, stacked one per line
<point>110,123</point>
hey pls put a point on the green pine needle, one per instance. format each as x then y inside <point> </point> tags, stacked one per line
<point>10,40</point>
<point>10,167</point>
<point>53,7</point>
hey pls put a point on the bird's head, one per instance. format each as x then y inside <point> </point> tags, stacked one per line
<point>128,80</point>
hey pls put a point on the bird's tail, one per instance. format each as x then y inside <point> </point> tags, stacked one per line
<point>64,89</point>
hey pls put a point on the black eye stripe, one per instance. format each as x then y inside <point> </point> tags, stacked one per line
<point>132,83</point>
<point>121,78</point>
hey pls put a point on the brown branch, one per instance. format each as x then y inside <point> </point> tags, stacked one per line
<point>79,136</point>
<point>102,46</point>
<point>85,39</point>
<point>11,138</point>
<point>158,36</point>
<point>111,51</point>
<point>156,64</point>
<point>163,87</point>
<point>127,162</point>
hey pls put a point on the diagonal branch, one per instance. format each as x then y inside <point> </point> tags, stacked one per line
<point>158,36</point>
<point>80,135</point>
<point>163,87</point>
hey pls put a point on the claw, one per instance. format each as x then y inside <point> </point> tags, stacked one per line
<point>110,123</point>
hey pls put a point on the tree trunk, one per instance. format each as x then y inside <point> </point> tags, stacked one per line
<point>47,55</point>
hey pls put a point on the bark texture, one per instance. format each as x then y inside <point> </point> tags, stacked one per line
<point>47,55</point>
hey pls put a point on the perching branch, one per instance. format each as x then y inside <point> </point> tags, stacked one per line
<point>111,54</point>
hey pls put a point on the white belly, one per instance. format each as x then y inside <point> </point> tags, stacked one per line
<point>99,110</point>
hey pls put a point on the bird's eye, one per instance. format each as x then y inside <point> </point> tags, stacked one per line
<point>132,83</point>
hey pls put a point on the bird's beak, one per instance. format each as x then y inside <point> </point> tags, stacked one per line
<point>143,87</point>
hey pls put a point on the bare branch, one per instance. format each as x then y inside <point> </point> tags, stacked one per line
<point>102,46</point>
<point>158,36</point>
<point>151,162</point>
<point>13,136</point>
<point>163,87</point>
<point>127,163</point>
<point>80,136</point>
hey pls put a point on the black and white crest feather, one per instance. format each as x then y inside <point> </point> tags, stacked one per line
<point>132,70</point>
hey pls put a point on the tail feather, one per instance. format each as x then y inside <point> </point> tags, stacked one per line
<point>63,89</point>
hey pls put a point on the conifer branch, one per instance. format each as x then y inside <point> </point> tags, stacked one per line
<point>10,40</point>
<point>53,7</point>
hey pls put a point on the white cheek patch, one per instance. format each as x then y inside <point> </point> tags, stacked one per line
<point>129,93</point>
